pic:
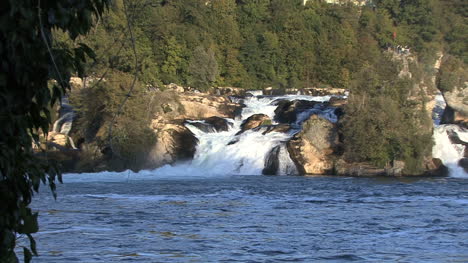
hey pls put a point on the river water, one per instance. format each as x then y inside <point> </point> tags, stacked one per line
<point>219,208</point>
<point>255,219</point>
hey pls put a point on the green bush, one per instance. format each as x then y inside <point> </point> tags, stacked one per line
<point>130,139</point>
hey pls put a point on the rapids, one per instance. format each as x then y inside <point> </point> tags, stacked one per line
<point>215,155</point>
<point>450,141</point>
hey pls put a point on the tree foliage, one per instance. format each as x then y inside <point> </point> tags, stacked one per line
<point>273,42</point>
<point>30,60</point>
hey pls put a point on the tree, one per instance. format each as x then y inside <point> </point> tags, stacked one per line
<point>203,68</point>
<point>29,61</point>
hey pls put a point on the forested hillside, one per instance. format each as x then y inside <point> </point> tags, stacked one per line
<point>383,53</point>
<point>260,43</point>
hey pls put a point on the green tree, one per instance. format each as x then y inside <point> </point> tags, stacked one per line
<point>173,59</point>
<point>29,61</point>
<point>203,68</point>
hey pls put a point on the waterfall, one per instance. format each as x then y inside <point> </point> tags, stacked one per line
<point>450,141</point>
<point>225,153</point>
<point>448,151</point>
<point>64,123</point>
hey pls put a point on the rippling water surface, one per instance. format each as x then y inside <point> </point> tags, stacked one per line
<point>256,219</point>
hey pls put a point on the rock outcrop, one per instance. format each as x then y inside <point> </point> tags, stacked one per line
<point>272,161</point>
<point>270,91</point>
<point>286,112</point>
<point>175,142</point>
<point>457,106</point>
<point>457,99</point>
<point>283,128</point>
<point>312,149</point>
<point>254,121</point>
<point>464,164</point>
<point>201,106</point>
<point>435,167</point>
<point>452,80</point>
<point>213,124</point>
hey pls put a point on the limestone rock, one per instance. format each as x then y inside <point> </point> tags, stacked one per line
<point>452,80</point>
<point>213,124</point>
<point>286,112</point>
<point>58,139</point>
<point>457,99</point>
<point>174,143</point>
<point>312,149</point>
<point>450,116</point>
<point>435,167</point>
<point>254,121</point>
<point>283,128</point>
<point>220,124</point>
<point>464,164</point>
<point>175,87</point>
<point>202,106</point>
<point>272,161</point>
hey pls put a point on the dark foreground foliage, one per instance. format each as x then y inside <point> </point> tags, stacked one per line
<point>28,63</point>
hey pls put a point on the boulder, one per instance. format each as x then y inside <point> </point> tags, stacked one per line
<point>203,106</point>
<point>219,124</point>
<point>175,87</point>
<point>450,116</point>
<point>254,121</point>
<point>57,139</point>
<point>175,142</point>
<point>287,111</point>
<point>457,99</point>
<point>464,164</point>
<point>452,80</point>
<point>272,161</point>
<point>435,167</point>
<point>212,124</point>
<point>202,126</point>
<point>283,128</point>
<point>323,91</point>
<point>312,149</point>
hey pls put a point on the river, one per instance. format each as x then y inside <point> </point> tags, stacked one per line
<point>219,208</point>
<point>255,219</point>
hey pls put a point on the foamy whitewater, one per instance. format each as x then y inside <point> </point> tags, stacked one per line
<point>449,152</point>
<point>217,156</point>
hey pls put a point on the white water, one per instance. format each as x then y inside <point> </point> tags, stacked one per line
<point>448,152</point>
<point>215,156</point>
